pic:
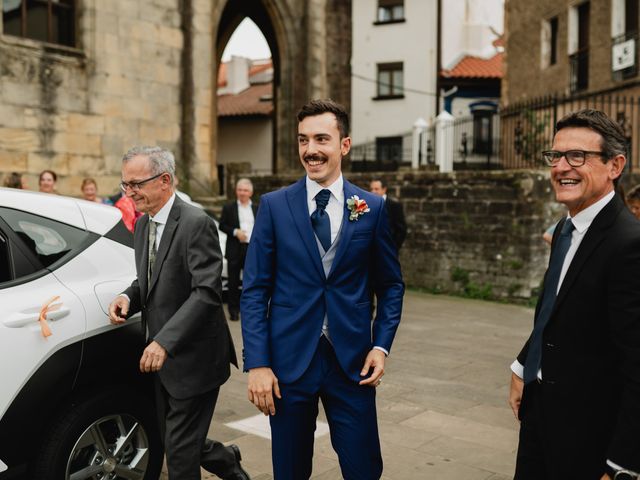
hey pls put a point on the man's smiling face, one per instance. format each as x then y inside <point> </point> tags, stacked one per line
<point>581,187</point>
<point>321,149</point>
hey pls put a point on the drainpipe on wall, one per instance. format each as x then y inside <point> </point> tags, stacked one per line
<point>187,113</point>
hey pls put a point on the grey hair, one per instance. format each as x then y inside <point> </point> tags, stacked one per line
<point>244,181</point>
<point>160,159</point>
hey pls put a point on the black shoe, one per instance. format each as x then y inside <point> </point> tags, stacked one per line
<point>237,472</point>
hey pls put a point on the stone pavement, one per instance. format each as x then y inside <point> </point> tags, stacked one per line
<point>442,408</point>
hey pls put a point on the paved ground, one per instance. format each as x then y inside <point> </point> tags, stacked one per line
<point>442,408</point>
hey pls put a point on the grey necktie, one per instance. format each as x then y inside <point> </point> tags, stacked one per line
<point>153,228</point>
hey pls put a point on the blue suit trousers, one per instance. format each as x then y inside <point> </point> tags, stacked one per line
<point>351,413</point>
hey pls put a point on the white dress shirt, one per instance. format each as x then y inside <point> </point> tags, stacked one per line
<point>582,221</point>
<point>245,216</point>
<point>161,218</point>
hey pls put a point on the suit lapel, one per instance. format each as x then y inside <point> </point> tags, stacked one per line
<point>236,215</point>
<point>347,228</point>
<point>165,241</point>
<point>297,199</point>
<point>593,237</point>
<point>142,254</point>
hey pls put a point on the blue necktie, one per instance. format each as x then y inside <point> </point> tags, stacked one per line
<point>534,355</point>
<point>320,219</point>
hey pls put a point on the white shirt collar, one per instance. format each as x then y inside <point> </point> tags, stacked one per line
<point>583,219</point>
<point>163,214</point>
<point>244,206</point>
<point>336,188</point>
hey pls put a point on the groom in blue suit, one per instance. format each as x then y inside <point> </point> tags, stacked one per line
<point>320,249</point>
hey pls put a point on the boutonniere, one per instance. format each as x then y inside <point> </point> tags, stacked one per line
<point>357,207</point>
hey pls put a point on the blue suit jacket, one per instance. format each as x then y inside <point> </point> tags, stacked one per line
<point>286,293</point>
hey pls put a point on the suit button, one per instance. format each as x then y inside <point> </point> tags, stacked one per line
<point>550,345</point>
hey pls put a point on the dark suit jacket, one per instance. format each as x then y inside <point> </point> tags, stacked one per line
<point>286,292</point>
<point>591,347</point>
<point>182,306</point>
<point>397,223</point>
<point>229,220</point>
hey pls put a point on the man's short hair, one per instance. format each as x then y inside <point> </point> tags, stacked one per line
<point>245,181</point>
<point>318,107</point>
<point>383,184</point>
<point>614,141</point>
<point>160,159</point>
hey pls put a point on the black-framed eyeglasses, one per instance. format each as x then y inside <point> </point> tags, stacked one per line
<point>575,158</point>
<point>135,186</point>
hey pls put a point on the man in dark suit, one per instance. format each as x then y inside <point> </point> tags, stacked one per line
<point>321,249</point>
<point>395,212</point>
<point>575,385</point>
<point>237,221</point>
<point>178,290</point>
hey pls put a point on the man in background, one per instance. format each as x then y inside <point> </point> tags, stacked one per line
<point>395,212</point>
<point>237,221</point>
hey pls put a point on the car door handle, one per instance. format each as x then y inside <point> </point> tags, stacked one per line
<point>30,317</point>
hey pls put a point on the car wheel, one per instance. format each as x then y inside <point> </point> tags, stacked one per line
<point>105,437</point>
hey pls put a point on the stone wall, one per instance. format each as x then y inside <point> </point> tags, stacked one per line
<point>473,233</point>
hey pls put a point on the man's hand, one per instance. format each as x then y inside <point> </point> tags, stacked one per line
<point>241,235</point>
<point>152,358</point>
<point>375,359</point>
<point>118,310</point>
<point>262,385</point>
<point>515,394</point>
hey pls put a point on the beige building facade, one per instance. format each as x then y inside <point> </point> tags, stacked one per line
<point>129,72</point>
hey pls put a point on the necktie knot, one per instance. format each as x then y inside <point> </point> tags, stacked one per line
<point>567,228</point>
<point>322,199</point>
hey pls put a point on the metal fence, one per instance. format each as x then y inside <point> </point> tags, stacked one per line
<point>475,144</point>
<point>527,128</point>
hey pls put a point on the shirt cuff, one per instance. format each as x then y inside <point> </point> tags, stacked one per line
<point>125,296</point>
<point>382,350</point>
<point>517,368</point>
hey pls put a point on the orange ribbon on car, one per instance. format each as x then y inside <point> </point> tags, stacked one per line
<point>46,308</point>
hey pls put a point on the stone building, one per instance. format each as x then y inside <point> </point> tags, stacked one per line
<point>570,47</point>
<point>83,80</point>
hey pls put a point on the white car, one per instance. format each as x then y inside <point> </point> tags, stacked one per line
<point>73,404</point>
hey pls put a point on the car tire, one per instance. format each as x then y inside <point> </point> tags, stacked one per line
<point>84,439</point>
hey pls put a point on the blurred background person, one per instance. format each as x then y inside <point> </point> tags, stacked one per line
<point>395,212</point>
<point>633,201</point>
<point>90,192</point>
<point>15,180</point>
<point>237,221</point>
<point>47,181</point>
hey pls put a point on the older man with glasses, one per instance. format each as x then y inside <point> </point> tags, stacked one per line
<point>575,385</point>
<point>179,291</point>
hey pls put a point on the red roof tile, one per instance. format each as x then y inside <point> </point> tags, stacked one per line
<point>475,67</point>
<point>247,102</point>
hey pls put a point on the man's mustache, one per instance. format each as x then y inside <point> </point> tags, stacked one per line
<point>314,156</point>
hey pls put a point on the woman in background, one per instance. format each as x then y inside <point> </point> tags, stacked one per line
<point>47,181</point>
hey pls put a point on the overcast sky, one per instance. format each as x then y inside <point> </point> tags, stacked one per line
<point>247,41</point>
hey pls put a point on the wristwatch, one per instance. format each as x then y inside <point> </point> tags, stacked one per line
<point>622,474</point>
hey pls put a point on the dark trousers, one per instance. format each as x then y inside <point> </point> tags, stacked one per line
<point>235,264</point>
<point>351,413</point>
<point>549,451</point>
<point>184,424</point>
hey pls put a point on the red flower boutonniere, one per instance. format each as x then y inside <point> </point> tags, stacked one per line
<point>357,207</point>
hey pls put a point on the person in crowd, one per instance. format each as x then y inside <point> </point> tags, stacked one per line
<point>89,190</point>
<point>47,181</point>
<point>395,212</point>
<point>178,289</point>
<point>237,222</point>
<point>575,386</point>
<point>15,180</point>
<point>633,201</point>
<point>319,251</point>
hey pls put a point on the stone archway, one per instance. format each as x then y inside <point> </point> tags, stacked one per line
<point>310,44</point>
